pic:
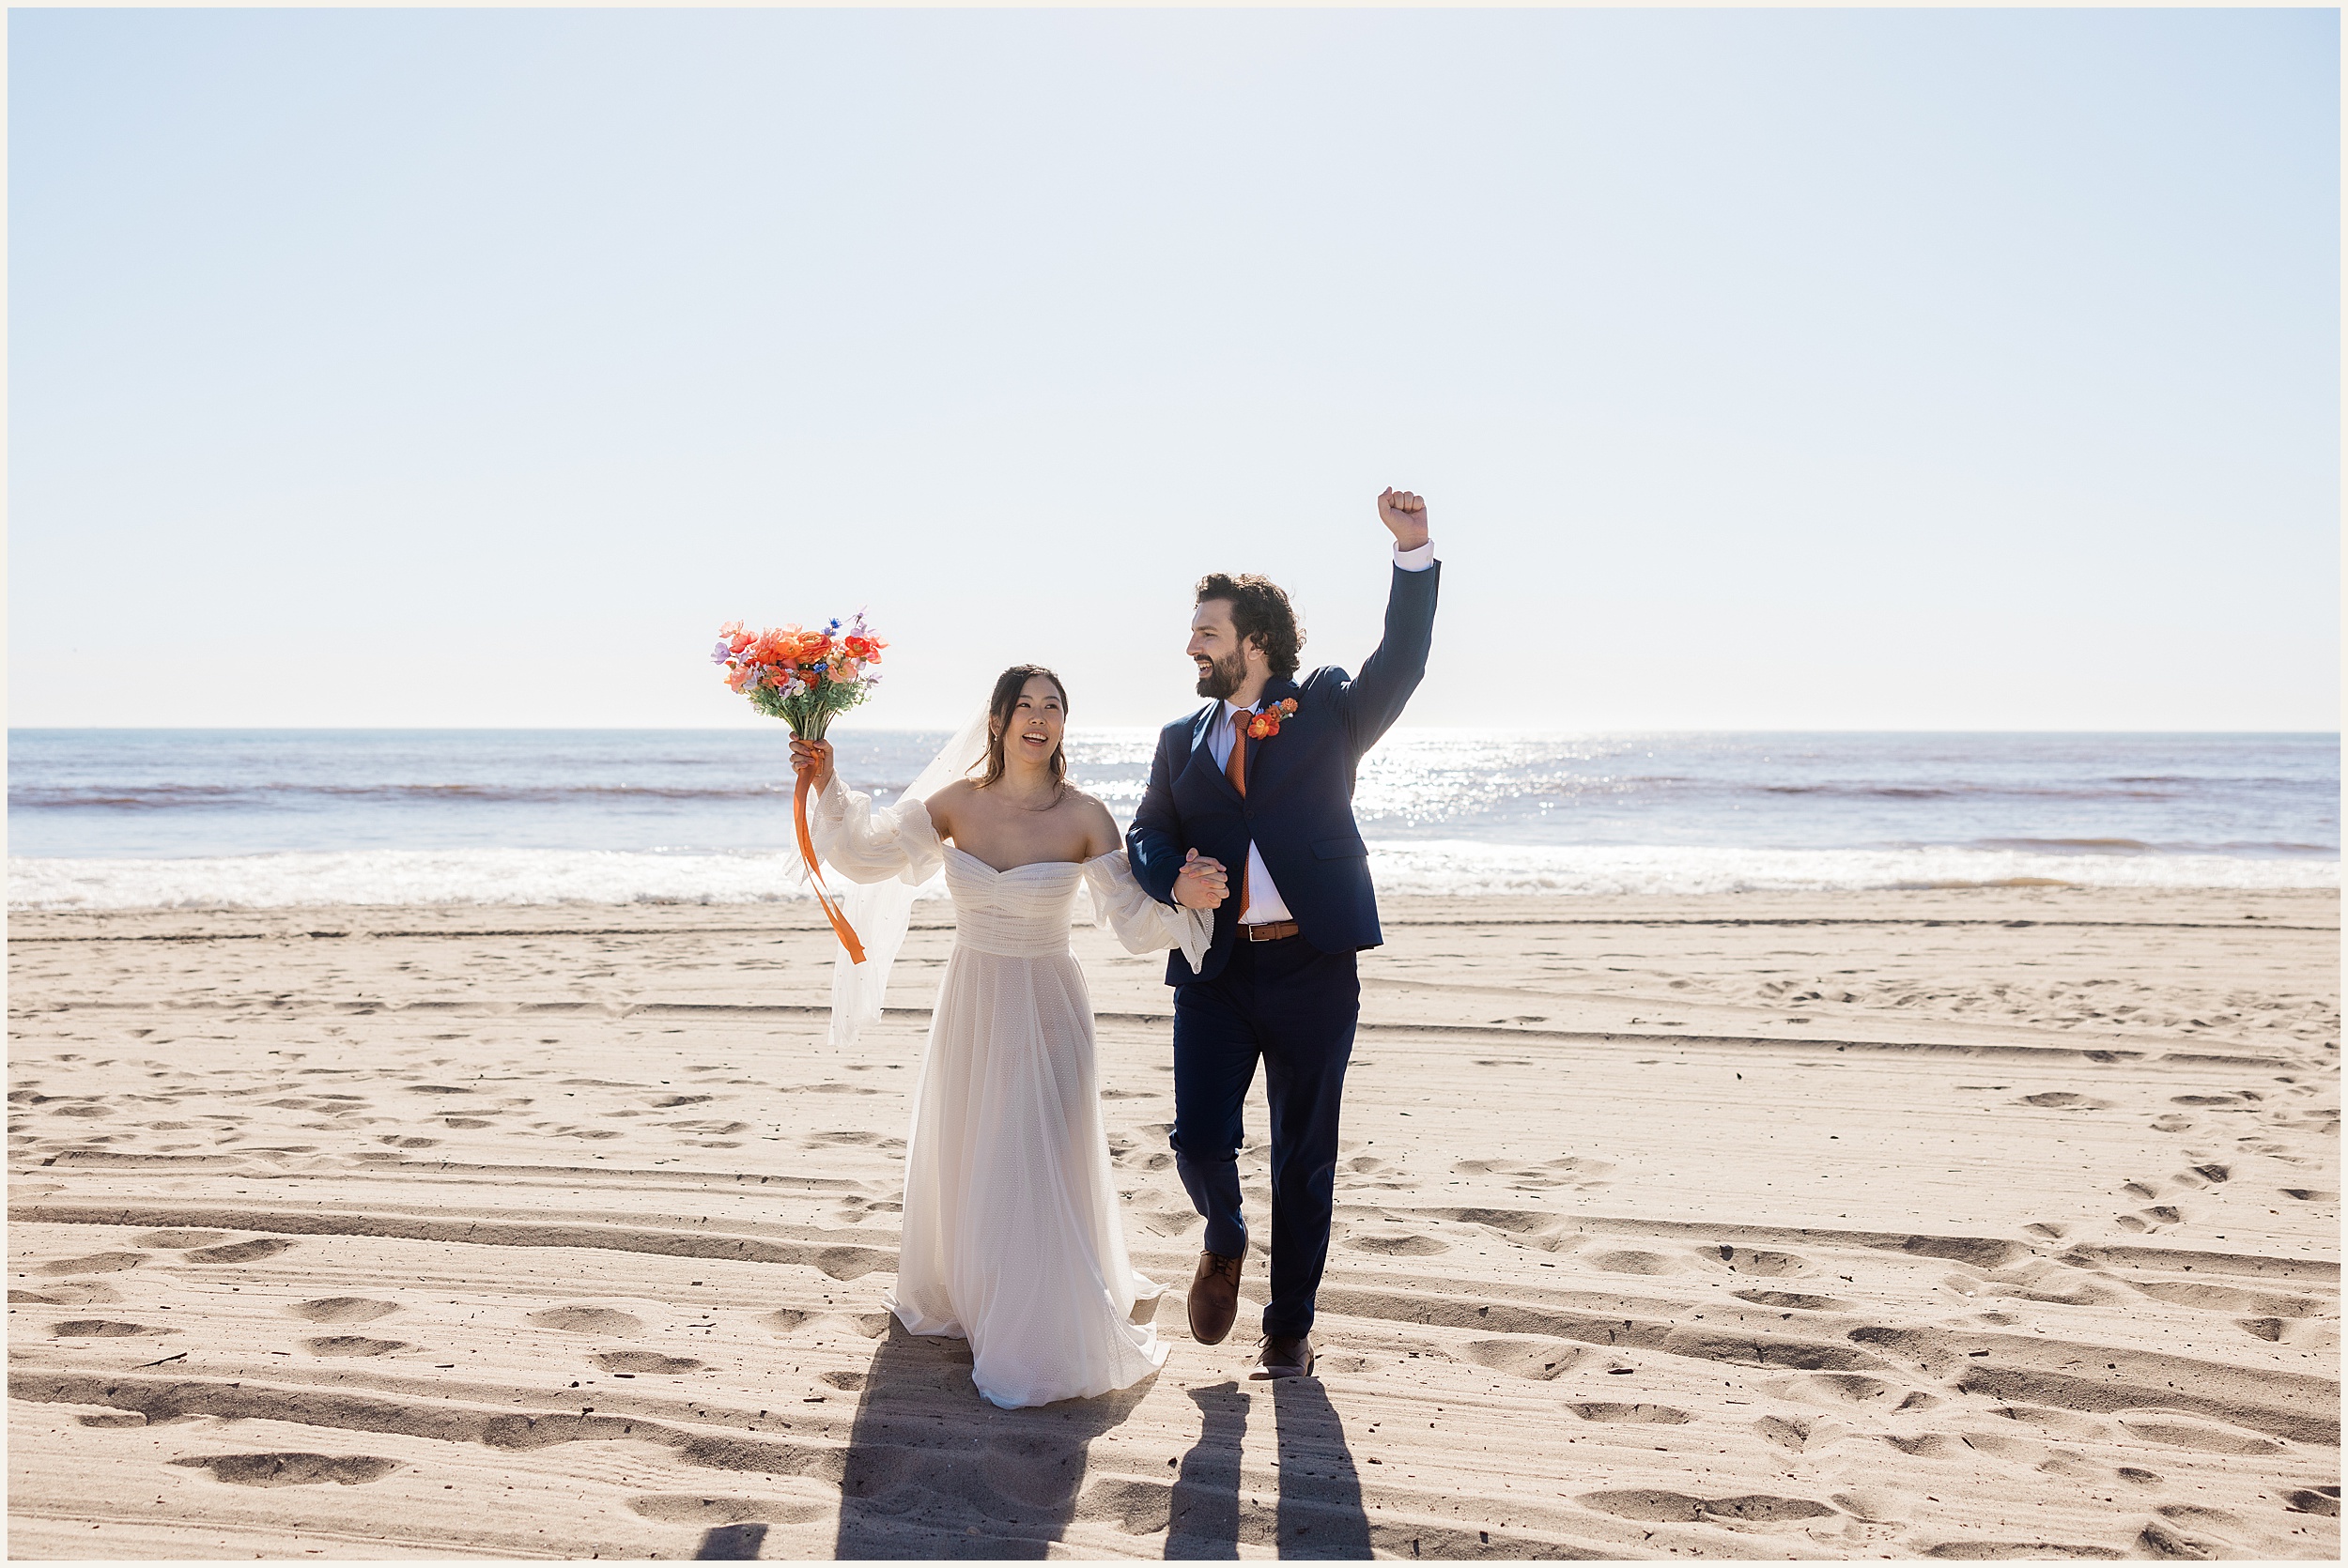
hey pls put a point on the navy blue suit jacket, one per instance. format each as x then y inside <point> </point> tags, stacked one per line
<point>1299,806</point>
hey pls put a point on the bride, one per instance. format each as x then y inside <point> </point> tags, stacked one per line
<point>1012,1234</point>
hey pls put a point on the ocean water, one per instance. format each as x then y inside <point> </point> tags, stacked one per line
<point>128,819</point>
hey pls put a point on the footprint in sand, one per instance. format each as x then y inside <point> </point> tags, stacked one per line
<point>1408,1244</point>
<point>1537,1359</point>
<point>2311,1194</point>
<point>791,1320</point>
<point>1636,1415</point>
<point>2063,1099</point>
<point>353,1345</point>
<point>2209,1296</point>
<point>1658,1507</point>
<point>1845,1388</point>
<point>100,1327</point>
<point>293,1469</point>
<point>860,1324</point>
<point>75,1295</point>
<point>180,1240</point>
<point>588,1320</point>
<point>1877,1505</point>
<point>1755,1260</point>
<point>241,1251</point>
<point>98,1263</point>
<point>342,1308</point>
<point>1999,1551</point>
<point>846,1382</point>
<point>1791,1300</point>
<point>2205,1438</point>
<point>1632,1261</point>
<point>1166,1222</point>
<point>710,1511</point>
<point>644,1360</point>
<point>1571,1171</point>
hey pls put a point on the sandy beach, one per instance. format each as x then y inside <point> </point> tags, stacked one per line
<point>1968,1223</point>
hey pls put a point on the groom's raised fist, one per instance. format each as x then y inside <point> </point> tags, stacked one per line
<point>1405,515</point>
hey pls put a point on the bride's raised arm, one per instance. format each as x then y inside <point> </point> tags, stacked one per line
<point>864,842</point>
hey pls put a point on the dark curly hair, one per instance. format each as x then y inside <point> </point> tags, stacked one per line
<point>1260,610</point>
<point>1005,702</point>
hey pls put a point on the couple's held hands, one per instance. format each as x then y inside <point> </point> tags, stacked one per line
<point>1405,517</point>
<point>1202,883</point>
<point>812,756</point>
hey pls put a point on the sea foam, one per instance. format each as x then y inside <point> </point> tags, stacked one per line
<point>498,876</point>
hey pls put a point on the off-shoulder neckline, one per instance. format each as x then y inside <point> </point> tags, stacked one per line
<point>1007,871</point>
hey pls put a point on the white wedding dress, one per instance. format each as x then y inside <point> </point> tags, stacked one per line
<point>1013,1238</point>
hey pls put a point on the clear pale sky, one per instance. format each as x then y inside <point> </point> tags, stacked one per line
<point>1882,370</point>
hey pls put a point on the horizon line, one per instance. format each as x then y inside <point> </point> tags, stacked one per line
<point>1079,729</point>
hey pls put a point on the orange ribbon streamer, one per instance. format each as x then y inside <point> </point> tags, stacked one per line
<point>815,872</point>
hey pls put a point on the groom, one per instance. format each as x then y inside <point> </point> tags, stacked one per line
<point>1249,813</point>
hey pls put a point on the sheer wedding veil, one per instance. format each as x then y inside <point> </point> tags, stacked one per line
<point>880,911</point>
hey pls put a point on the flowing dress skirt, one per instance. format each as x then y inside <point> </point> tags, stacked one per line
<point>1012,1234</point>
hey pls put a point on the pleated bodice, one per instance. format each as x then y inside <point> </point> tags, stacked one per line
<point>1020,914</point>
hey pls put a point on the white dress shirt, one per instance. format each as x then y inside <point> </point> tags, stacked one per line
<point>1265,907</point>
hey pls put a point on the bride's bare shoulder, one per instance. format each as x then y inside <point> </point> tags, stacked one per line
<point>1100,827</point>
<point>944,801</point>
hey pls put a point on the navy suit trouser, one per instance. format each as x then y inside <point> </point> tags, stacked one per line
<point>1294,1006</point>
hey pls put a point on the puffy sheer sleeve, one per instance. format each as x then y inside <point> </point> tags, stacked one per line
<point>864,842</point>
<point>1142,924</point>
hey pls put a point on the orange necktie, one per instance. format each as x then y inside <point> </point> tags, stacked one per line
<point>1235,769</point>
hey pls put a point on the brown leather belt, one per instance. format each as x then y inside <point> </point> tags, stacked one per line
<point>1274,930</point>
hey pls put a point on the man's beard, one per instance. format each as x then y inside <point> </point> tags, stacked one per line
<point>1222,677</point>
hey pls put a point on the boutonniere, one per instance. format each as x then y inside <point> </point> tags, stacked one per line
<point>1265,725</point>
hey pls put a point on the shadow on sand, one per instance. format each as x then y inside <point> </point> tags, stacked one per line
<point>933,1471</point>
<point>1320,1511</point>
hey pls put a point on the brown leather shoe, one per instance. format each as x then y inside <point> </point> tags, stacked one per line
<point>1285,1357</point>
<point>1214,1297</point>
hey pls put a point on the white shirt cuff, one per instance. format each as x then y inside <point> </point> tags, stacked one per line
<point>1415,561</point>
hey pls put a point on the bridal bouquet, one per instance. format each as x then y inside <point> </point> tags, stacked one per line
<point>805,679</point>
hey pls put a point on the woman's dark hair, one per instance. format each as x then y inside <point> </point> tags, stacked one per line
<point>1260,610</point>
<point>1005,702</point>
